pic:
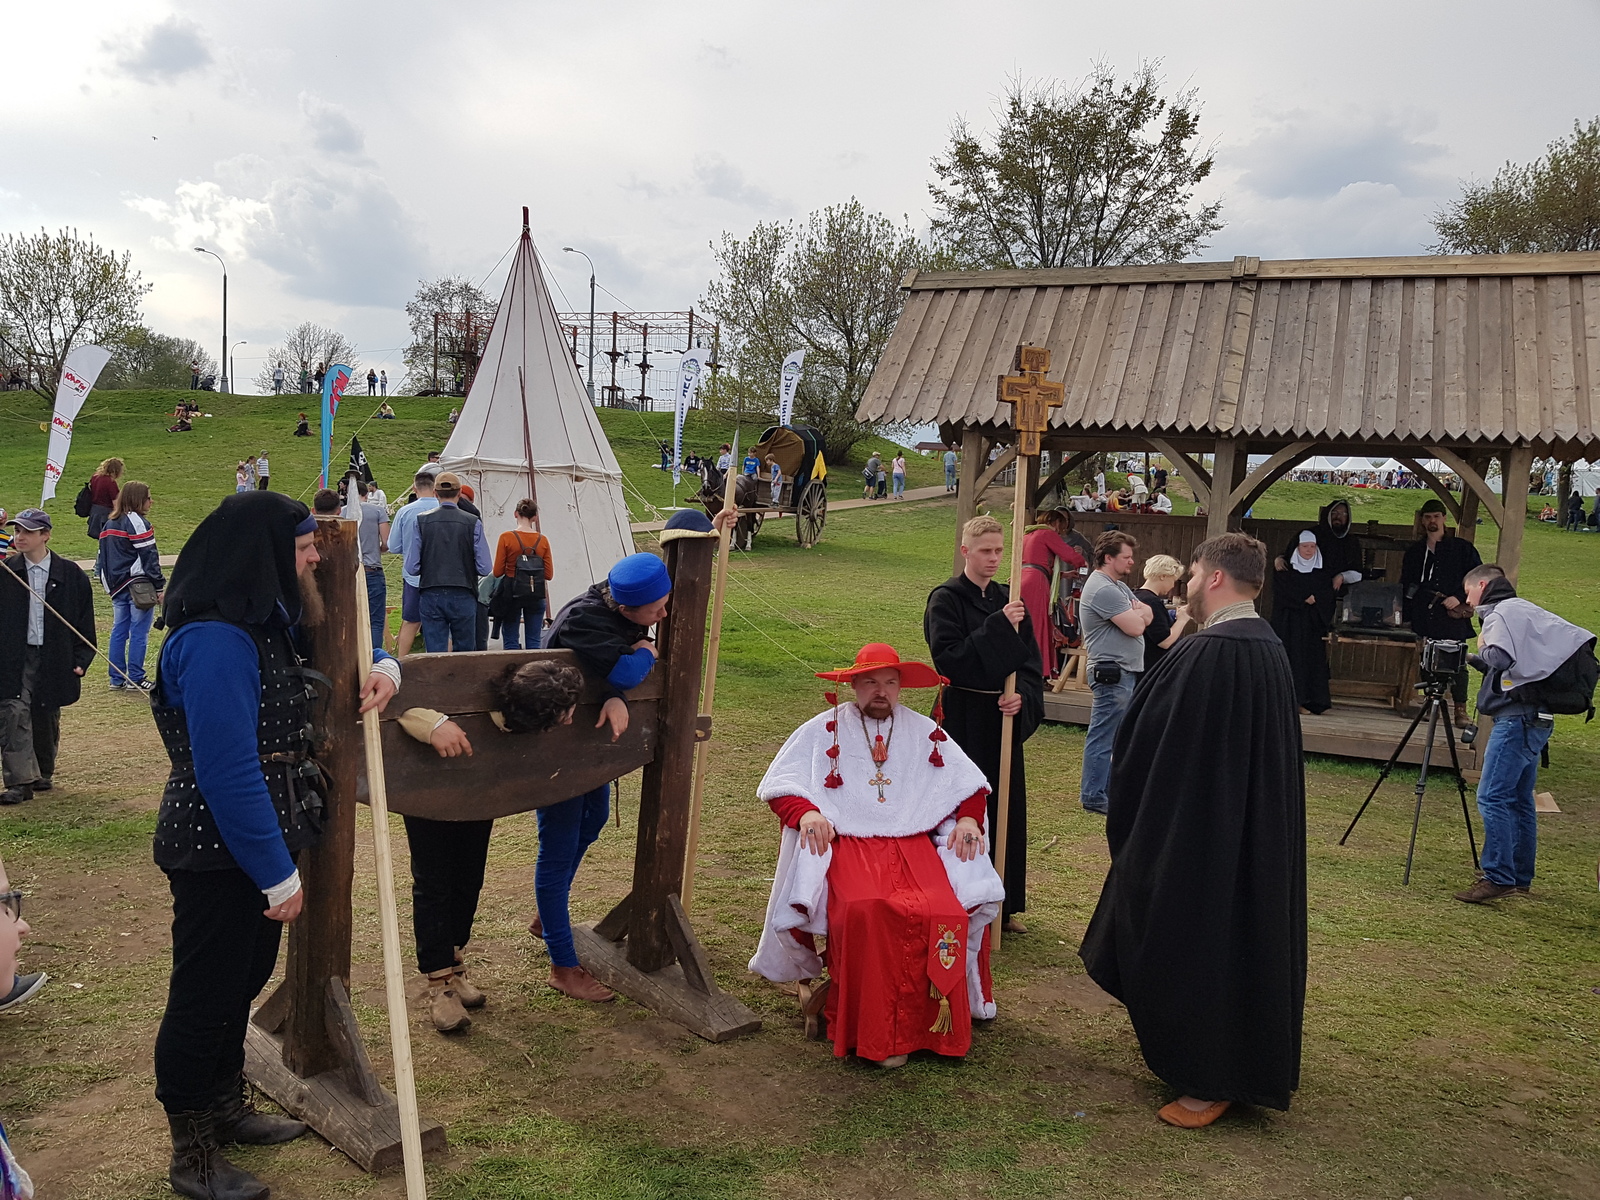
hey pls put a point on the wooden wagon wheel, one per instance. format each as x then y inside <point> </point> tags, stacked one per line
<point>811,514</point>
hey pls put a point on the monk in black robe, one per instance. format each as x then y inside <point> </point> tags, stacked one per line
<point>1201,927</point>
<point>1302,614</point>
<point>977,636</point>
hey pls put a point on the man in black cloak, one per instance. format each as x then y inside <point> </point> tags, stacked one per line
<point>977,636</point>
<point>1302,614</point>
<point>1201,926</point>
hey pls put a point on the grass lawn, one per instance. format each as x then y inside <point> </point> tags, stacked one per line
<point>189,472</point>
<point>1450,1051</point>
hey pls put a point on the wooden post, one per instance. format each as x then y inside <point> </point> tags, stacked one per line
<point>1031,398</point>
<point>1468,525</point>
<point>708,694</point>
<point>972,444</point>
<point>1219,511</point>
<point>303,1047</point>
<point>1514,499</point>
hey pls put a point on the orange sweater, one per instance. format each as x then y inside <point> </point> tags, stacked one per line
<point>508,548</point>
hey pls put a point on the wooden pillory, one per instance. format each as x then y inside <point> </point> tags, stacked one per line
<point>1032,397</point>
<point>304,1049</point>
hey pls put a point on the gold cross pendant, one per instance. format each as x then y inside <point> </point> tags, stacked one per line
<point>879,782</point>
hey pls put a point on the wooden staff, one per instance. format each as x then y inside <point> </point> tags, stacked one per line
<point>405,1083</point>
<point>1032,398</point>
<point>702,750</point>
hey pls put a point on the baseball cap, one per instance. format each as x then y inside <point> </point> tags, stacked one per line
<point>33,519</point>
<point>447,483</point>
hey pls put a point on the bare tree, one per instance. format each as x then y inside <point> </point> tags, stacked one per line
<point>1099,174</point>
<point>58,291</point>
<point>831,287</point>
<point>1552,204</point>
<point>305,348</point>
<point>451,345</point>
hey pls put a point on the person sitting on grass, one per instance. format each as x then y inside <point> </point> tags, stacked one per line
<point>303,424</point>
<point>529,697</point>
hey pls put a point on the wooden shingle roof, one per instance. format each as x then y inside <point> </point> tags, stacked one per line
<point>1488,349</point>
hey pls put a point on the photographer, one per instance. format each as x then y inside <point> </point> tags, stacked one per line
<point>1532,661</point>
<point>1432,578</point>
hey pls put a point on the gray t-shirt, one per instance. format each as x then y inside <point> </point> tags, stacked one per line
<point>372,515</point>
<point>1102,599</point>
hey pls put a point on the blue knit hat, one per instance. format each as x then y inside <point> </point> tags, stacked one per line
<point>639,579</point>
<point>687,523</point>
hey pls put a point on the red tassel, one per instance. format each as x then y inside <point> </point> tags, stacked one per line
<point>938,735</point>
<point>935,758</point>
<point>832,726</point>
<point>833,780</point>
<point>831,697</point>
<point>832,752</point>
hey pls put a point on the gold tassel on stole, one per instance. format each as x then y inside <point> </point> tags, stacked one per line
<point>942,1023</point>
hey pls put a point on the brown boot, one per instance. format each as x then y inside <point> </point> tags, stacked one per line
<point>445,1005</point>
<point>580,985</point>
<point>470,996</point>
<point>1485,890</point>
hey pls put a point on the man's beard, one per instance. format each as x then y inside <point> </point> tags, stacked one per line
<point>878,709</point>
<point>312,610</point>
<point>1196,606</point>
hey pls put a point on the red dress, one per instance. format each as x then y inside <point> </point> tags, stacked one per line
<point>1040,549</point>
<point>893,924</point>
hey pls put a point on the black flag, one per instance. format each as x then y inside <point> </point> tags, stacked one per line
<point>358,462</point>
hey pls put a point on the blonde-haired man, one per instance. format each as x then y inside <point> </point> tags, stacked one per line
<point>978,635</point>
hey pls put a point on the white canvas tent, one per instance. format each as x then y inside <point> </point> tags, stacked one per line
<point>527,400</point>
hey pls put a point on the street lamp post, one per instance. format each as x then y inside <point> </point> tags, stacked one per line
<point>589,378</point>
<point>223,365</point>
<point>233,373</point>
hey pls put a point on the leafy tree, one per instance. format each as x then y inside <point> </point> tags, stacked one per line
<point>155,360</point>
<point>465,315</point>
<point>58,291</point>
<point>305,346</point>
<point>1551,204</point>
<point>1099,174</point>
<point>830,286</point>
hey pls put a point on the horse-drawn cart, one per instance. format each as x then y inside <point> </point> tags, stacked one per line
<point>803,494</point>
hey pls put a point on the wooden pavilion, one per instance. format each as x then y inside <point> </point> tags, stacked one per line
<point>1467,359</point>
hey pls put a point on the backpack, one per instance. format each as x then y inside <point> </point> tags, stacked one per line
<point>1570,687</point>
<point>83,506</point>
<point>529,578</point>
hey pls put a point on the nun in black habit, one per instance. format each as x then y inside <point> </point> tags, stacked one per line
<point>974,645</point>
<point>1201,926</point>
<point>1302,613</point>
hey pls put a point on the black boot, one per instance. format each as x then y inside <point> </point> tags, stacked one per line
<point>198,1168</point>
<point>238,1121</point>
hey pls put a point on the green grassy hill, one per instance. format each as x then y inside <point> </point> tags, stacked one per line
<point>190,472</point>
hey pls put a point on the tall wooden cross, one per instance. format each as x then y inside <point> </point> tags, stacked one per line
<point>1032,397</point>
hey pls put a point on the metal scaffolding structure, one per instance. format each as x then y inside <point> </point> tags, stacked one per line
<point>457,348</point>
<point>642,349</point>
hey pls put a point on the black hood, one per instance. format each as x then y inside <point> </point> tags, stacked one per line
<point>1325,517</point>
<point>238,565</point>
<point>1497,589</point>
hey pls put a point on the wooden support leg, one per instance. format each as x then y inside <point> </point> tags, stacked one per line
<point>1514,496</point>
<point>973,444</point>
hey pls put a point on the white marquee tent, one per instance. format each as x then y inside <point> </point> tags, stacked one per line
<point>527,401</point>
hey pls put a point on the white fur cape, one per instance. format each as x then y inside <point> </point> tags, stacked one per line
<point>921,798</point>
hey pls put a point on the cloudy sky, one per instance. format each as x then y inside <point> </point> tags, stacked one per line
<point>338,152</point>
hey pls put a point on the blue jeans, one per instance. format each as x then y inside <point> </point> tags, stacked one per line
<point>566,830</point>
<point>1110,703</point>
<point>449,616</point>
<point>529,613</point>
<point>1505,799</point>
<point>899,485</point>
<point>377,602</point>
<point>949,478</point>
<point>130,634</point>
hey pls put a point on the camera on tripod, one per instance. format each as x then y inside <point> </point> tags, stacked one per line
<point>1442,659</point>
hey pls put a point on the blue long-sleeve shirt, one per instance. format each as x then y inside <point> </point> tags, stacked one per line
<point>411,566</point>
<point>211,670</point>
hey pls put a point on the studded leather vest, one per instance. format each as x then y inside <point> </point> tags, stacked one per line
<point>187,838</point>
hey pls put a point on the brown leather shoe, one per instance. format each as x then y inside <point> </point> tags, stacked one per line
<point>469,995</point>
<point>580,985</point>
<point>1483,891</point>
<point>1180,1114</point>
<point>444,1004</point>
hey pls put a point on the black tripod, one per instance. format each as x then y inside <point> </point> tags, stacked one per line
<point>1434,706</point>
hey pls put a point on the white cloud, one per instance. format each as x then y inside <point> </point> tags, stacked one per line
<point>332,130</point>
<point>1318,154</point>
<point>164,51</point>
<point>721,180</point>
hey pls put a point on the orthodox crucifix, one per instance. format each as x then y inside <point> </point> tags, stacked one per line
<point>1032,397</point>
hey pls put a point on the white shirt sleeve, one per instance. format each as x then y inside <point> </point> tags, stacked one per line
<point>277,894</point>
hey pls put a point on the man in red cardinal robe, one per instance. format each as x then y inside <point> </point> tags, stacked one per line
<point>882,853</point>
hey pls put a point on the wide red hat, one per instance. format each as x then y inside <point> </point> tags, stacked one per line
<point>874,656</point>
